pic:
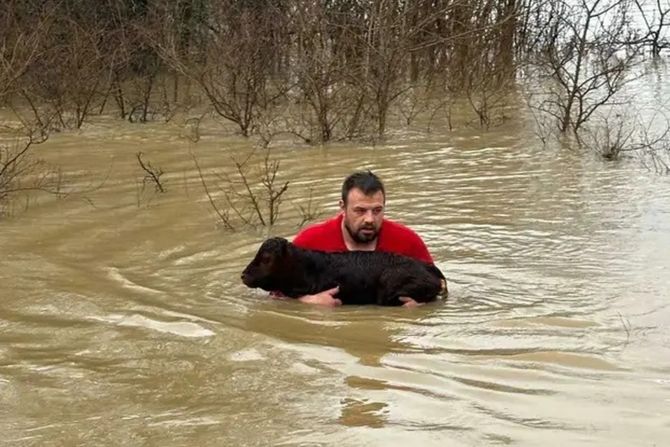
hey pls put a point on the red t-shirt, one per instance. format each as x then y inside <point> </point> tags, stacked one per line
<point>393,237</point>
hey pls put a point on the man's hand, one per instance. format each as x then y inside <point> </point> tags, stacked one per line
<point>445,289</point>
<point>325,298</point>
<point>278,296</point>
<point>409,302</point>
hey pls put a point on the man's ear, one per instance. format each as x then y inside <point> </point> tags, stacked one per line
<point>342,205</point>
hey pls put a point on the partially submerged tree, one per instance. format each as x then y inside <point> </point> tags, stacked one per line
<point>655,14</point>
<point>630,133</point>
<point>250,195</point>
<point>20,46</point>
<point>231,60</point>
<point>583,56</point>
<point>61,88</point>
<point>21,172</point>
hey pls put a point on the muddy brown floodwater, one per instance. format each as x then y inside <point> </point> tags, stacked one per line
<point>123,320</point>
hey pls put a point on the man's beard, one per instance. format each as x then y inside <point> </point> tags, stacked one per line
<point>359,237</point>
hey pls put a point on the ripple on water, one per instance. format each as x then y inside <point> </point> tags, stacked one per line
<point>180,328</point>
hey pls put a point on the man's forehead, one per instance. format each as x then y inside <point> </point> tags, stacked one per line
<point>356,197</point>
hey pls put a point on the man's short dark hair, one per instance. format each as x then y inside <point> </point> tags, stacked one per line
<point>366,181</point>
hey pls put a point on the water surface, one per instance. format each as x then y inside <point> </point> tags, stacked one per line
<point>123,320</point>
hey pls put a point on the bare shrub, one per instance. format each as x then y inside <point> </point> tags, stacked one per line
<point>231,62</point>
<point>309,211</point>
<point>654,143</point>
<point>152,175</point>
<point>63,85</point>
<point>20,45</point>
<point>655,15</point>
<point>584,52</point>
<point>334,105</point>
<point>385,51</point>
<point>414,101</point>
<point>487,94</point>
<point>134,87</point>
<point>223,213</point>
<point>610,137</point>
<point>543,124</point>
<point>488,76</point>
<point>657,159</point>
<point>255,195</point>
<point>251,195</point>
<point>23,173</point>
<point>627,134</point>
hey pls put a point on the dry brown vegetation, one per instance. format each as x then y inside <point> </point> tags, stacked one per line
<point>330,70</point>
<point>321,71</point>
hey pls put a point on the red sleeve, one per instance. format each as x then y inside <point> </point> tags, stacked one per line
<point>323,236</point>
<point>419,249</point>
<point>304,238</point>
<point>397,238</point>
<point>314,237</point>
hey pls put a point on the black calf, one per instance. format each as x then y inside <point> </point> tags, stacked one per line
<point>364,277</point>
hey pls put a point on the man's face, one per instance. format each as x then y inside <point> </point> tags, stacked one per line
<point>363,215</point>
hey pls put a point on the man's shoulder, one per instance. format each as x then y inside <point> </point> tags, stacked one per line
<point>320,227</point>
<point>398,229</point>
<point>401,239</point>
<point>319,236</point>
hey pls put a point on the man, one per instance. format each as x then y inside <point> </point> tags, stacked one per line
<point>361,225</point>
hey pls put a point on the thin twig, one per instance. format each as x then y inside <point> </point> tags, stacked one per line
<point>223,216</point>
<point>152,174</point>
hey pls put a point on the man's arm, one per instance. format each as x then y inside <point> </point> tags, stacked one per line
<point>325,298</point>
<point>417,249</point>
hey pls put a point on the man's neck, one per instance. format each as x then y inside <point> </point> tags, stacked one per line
<point>353,245</point>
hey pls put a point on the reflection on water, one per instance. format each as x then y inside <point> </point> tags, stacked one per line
<point>123,320</point>
<point>357,413</point>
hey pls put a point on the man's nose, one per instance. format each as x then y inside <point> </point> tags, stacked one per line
<point>369,216</point>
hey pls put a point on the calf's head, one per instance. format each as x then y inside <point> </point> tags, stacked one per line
<point>268,266</point>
